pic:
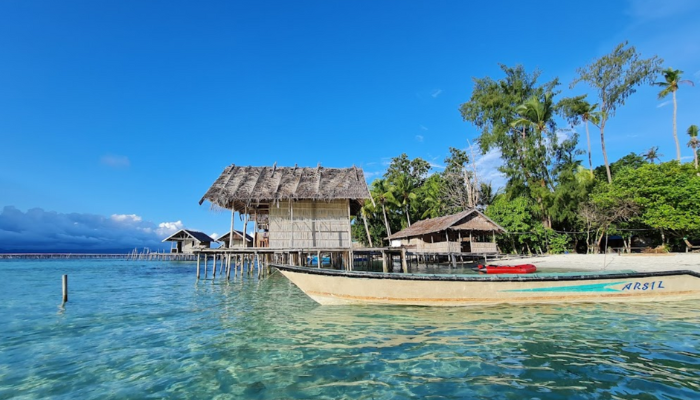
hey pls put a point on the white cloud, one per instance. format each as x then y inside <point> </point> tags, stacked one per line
<point>125,218</point>
<point>419,138</point>
<point>487,169</point>
<point>114,161</point>
<point>168,228</point>
<point>37,230</point>
<point>214,236</point>
<point>663,104</point>
<point>436,93</point>
<point>423,127</point>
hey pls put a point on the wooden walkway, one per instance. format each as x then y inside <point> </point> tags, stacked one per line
<point>239,259</point>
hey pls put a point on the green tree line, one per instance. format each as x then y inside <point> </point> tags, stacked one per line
<point>550,201</point>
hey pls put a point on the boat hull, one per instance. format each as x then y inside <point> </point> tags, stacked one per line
<point>331,287</point>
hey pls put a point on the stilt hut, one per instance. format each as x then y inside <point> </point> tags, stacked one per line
<point>239,240</point>
<point>469,231</point>
<point>186,241</point>
<point>293,208</point>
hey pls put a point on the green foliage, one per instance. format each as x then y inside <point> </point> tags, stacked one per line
<point>672,79</point>
<point>668,195</point>
<point>615,76</point>
<point>558,243</point>
<point>631,160</point>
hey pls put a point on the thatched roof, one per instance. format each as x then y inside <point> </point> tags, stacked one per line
<point>238,236</point>
<point>187,234</point>
<point>469,220</point>
<point>242,188</point>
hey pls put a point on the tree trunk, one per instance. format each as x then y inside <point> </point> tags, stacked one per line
<point>369,237</point>
<point>675,134</point>
<point>695,156</point>
<point>602,142</point>
<point>588,138</point>
<point>386,221</point>
<point>408,218</point>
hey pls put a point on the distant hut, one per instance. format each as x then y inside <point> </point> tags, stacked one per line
<point>469,231</point>
<point>186,241</point>
<point>238,240</point>
<point>296,208</point>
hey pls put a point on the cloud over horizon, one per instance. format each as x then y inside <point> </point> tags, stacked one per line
<point>40,231</point>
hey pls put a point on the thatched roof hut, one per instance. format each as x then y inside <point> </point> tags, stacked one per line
<point>449,232</point>
<point>243,188</point>
<point>294,207</point>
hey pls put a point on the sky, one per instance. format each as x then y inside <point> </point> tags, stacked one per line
<point>117,116</point>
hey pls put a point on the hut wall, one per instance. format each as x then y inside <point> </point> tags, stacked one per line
<point>316,224</point>
<point>418,244</point>
<point>483,247</point>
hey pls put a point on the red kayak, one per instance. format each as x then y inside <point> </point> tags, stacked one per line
<point>507,269</point>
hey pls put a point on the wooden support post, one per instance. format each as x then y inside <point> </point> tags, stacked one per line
<point>454,260</point>
<point>199,255</point>
<point>228,266</point>
<point>205,266</point>
<point>318,259</point>
<point>404,266</point>
<point>213,270</point>
<point>65,288</point>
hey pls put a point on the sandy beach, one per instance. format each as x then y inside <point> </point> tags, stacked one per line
<point>597,262</point>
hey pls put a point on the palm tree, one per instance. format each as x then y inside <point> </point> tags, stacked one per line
<point>694,143</point>
<point>673,79</point>
<point>380,190</point>
<point>652,154</point>
<point>589,112</point>
<point>537,115</point>
<point>401,195</point>
<point>367,210</point>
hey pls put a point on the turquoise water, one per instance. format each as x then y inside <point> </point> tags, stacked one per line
<point>148,330</point>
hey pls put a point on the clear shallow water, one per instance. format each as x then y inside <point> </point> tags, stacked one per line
<point>146,330</point>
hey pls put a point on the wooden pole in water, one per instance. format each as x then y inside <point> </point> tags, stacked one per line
<point>205,265</point>
<point>65,288</point>
<point>213,270</point>
<point>199,255</point>
<point>404,267</point>
<point>385,268</point>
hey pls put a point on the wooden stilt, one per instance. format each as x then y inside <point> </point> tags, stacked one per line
<point>404,265</point>
<point>205,266</point>
<point>65,288</point>
<point>198,258</point>
<point>385,267</point>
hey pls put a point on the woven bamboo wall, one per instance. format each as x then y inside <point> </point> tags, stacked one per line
<point>483,247</point>
<point>316,224</point>
<point>440,247</point>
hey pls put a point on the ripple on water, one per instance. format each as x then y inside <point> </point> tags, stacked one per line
<point>134,330</point>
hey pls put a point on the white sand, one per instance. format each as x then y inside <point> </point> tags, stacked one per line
<point>598,262</point>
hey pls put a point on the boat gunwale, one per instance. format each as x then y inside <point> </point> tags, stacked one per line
<point>593,275</point>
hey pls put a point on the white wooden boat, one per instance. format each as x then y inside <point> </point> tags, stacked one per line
<point>333,287</point>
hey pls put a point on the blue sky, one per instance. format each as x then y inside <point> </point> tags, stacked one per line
<point>122,113</point>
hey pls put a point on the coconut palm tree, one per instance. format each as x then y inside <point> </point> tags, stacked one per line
<point>379,191</point>
<point>366,211</point>
<point>652,154</point>
<point>535,114</point>
<point>694,143</point>
<point>401,195</point>
<point>673,79</point>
